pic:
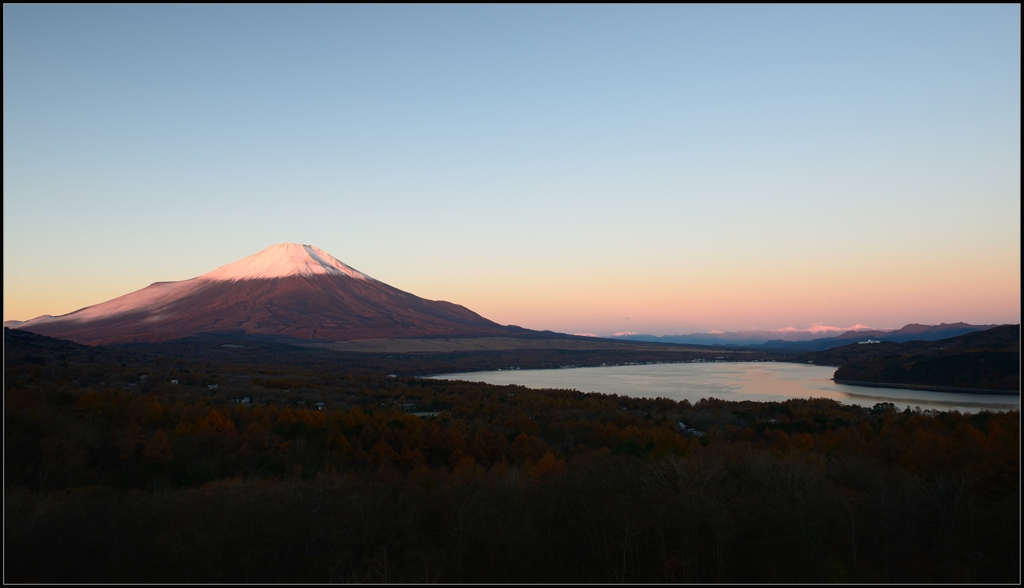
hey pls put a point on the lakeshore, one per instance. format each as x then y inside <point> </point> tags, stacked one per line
<point>928,388</point>
<point>755,381</point>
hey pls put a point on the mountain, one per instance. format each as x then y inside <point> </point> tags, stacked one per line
<point>916,332</point>
<point>753,337</point>
<point>1000,338</point>
<point>286,290</point>
<point>816,338</point>
<point>911,332</point>
<point>986,360</point>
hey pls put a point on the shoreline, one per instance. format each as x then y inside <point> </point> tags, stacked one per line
<point>927,388</point>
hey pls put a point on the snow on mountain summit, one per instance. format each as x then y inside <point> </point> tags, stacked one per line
<point>288,290</point>
<point>282,260</point>
<point>277,261</point>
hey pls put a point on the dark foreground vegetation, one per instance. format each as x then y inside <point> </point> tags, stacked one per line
<point>115,477</point>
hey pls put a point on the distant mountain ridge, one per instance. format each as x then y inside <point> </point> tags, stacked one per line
<point>816,338</point>
<point>985,360</point>
<point>286,290</point>
<point>751,337</point>
<point>911,332</point>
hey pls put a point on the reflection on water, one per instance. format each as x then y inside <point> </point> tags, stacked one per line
<point>760,381</point>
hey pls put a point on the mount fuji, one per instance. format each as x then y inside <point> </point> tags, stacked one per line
<point>285,290</point>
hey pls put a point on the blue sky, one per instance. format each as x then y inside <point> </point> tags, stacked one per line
<point>688,167</point>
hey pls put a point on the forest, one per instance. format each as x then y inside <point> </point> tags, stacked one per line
<point>135,464</point>
<point>982,360</point>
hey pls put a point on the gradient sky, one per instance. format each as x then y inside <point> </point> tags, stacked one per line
<point>658,169</point>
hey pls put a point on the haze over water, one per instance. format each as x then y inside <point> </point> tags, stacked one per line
<point>736,381</point>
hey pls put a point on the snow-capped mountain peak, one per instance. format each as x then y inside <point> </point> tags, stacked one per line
<point>288,290</point>
<point>283,260</point>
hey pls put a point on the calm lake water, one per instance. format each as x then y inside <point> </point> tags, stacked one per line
<point>759,381</point>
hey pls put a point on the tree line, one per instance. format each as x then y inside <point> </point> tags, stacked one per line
<point>154,483</point>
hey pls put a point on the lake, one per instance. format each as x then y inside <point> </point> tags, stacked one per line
<point>758,381</point>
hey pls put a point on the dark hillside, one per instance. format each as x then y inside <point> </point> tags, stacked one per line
<point>136,465</point>
<point>1003,338</point>
<point>911,332</point>
<point>982,360</point>
<point>257,350</point>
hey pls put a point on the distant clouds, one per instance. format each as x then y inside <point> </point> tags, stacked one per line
<point>826,329</point>
<point>817,329</point>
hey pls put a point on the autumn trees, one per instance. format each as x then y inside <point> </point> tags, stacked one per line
<point>506,484</point>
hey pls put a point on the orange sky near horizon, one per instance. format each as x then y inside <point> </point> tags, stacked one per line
<point>976,291</point>
<point>662,169</point>
<point>882,293</point>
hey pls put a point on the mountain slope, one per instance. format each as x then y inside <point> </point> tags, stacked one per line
<point>286,290</point>
<point>755,337</point>
<point>986,360</point>
<point>911,332</point>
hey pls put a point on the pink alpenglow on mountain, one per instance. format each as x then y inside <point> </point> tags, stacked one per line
<point>287,290</point>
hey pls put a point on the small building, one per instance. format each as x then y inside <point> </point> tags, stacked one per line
<point>319,405</point>
<point>868,342</point>
<point>175,382</point>
<point>213,386</point>
<point>688,430</point>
